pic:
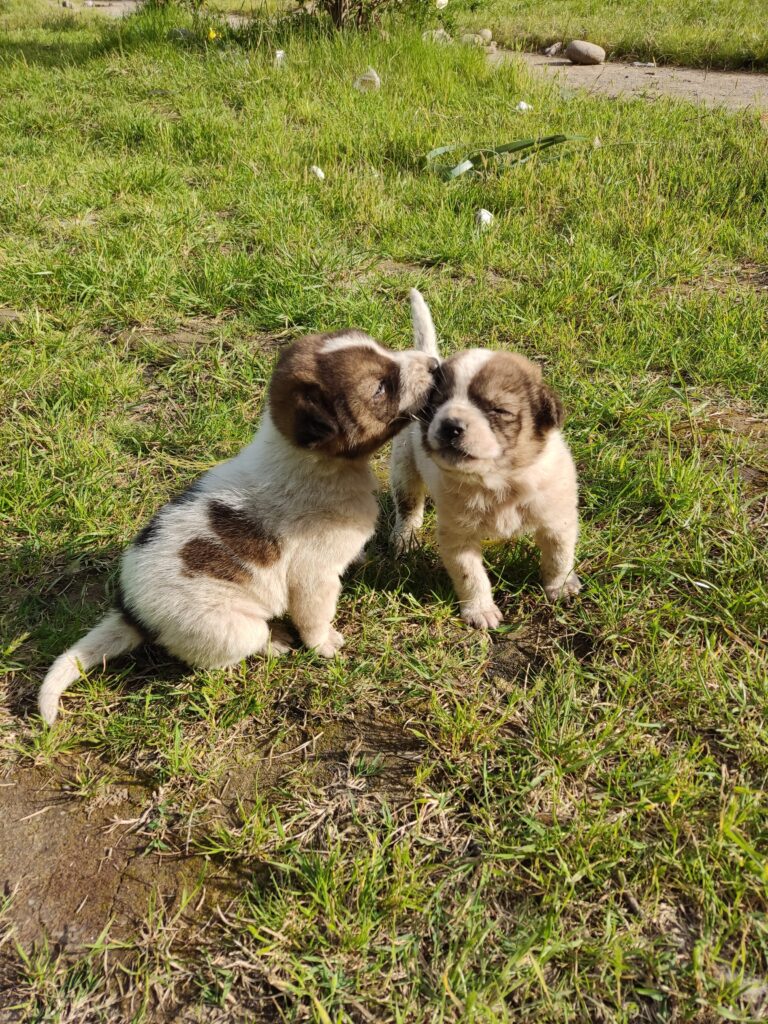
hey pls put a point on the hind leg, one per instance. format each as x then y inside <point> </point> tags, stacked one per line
<point>220,640</point>
<point>408,493</point>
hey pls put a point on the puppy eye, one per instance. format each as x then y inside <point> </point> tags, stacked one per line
<point>501,412</point>
<point>381,389</point>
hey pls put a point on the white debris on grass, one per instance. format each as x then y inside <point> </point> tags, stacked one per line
<point>522,106</point>
<point>279,58</point>
<point>369,81</point>
<point>441,4</point>
<point>483,219</point>
<point>318,172</point>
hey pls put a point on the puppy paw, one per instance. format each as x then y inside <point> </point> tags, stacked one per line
<point>331,645</point>
<point>280,640</point>
<point>563,591</point>
<point>482,618</point>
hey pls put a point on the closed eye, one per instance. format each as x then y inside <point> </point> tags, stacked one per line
<point>501,412</point>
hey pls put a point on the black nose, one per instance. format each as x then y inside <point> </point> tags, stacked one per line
<point>450,430</point>
<point>432,364</point>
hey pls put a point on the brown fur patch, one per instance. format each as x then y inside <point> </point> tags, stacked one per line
<point>327,401</point>
<point>203,557</point>
<point>245,536</point>
<point>519,406</point>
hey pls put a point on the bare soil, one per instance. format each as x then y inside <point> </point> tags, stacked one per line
<point>733,90</point>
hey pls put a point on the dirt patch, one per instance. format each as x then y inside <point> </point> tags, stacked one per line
<point>733,90</point>
<point>747,277</point>
<point>9,316</point>
<point>72,867</point>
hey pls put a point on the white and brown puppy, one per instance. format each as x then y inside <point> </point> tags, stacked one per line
<point>489,451</point>
<point>270,531</point>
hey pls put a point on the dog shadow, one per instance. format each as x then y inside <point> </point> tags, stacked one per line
<point>49,608</point>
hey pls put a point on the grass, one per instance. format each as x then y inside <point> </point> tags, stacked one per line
<point>563,822</point>
<point>717,34</point>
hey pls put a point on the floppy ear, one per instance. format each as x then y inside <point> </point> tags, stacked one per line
<point>314,422</point>
<point>548,412</point>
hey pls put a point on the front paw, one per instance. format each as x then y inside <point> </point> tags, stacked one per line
<point>331,645</point>
<point>482,618</point>
<point>563,591</point>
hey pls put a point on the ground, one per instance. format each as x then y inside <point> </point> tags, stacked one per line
<point>564,821</point>
<point>716,34</point>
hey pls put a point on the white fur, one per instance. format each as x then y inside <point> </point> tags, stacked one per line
<point>322,508</point>
<point>484,498</point>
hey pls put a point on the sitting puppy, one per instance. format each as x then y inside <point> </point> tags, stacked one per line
<point>490,453</point>
<point>273,529</point>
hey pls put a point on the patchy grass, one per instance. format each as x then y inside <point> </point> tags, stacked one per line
<point>717,34</point>
<point>562,822</point>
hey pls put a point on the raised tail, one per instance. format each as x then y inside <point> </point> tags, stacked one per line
<point>424,336</point>
<point>114,635</point>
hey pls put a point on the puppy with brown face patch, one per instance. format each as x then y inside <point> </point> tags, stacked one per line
<point>272,530</point>
<point>489,451</point>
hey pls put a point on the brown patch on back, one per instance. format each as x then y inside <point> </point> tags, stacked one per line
<point>245,536</point>
<point>326,401</point>
<point>203,557</point>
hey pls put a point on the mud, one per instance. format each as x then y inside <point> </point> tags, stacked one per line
<point>73,868</point>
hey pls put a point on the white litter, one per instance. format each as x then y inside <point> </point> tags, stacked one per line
<point>279,58</point>
<point>318,172</point>
<point>368,82</point>
<point>483,218</point>
<point>441,4</point>
<point>523,106</point>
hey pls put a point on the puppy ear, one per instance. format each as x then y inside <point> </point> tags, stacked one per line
<point>314,423</point>
<point>548,410</point>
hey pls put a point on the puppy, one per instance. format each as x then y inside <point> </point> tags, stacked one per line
<point>489,451</point>
<point>273,529</point>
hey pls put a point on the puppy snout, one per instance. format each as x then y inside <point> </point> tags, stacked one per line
<point>451,430</point>
<point>433,364</point>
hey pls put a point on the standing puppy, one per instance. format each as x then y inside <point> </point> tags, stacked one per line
<point>273,529</point>
<point>489,451</point>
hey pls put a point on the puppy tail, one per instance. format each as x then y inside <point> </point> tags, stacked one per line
<point>424,336</point>
<point>114,635</point>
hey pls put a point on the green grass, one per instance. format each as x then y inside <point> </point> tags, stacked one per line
<point>564,822</point>
<point>716,34</point>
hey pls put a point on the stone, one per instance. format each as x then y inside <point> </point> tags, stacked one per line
<point>436,35</point>
<point>483,219</point>
<point>441,4</point>
<point>472,39</point>
<point>486,35</point>
<point>553,50</point>
<point>578,51</point>
<point>318,172</point>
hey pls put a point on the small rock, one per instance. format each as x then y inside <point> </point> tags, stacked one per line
<point>553,50</point>
<point>472,39</point>
<point>318,172</point>
<point>522,106</point>
<point>580,52</point>
<point>279,58</point>
<point>486,35</point>
<point>483,219</point>
<point>368,82</point>
<point>441,4</point>
<point>436,35</point>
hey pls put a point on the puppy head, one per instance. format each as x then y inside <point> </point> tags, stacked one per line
<point>489,409</point>
<point>345,395</point>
